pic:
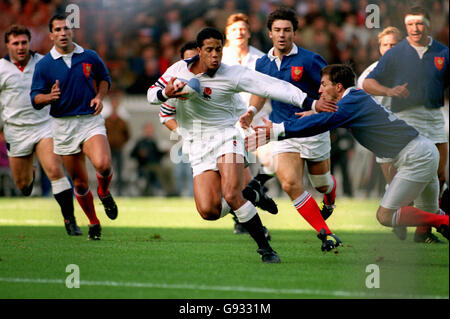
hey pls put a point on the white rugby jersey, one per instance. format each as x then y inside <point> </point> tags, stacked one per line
<point>249,61</point>
<point>216,106</point>
<point>15,85</point>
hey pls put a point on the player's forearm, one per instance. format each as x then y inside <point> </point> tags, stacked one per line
<point>103,88</point>
<point>171,124</point>
<point>372,87</point>
<point>257,102</point>
<point>42,100</point>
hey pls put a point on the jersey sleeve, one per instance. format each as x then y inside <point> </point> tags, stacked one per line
<point>39,84</point>
<point>167,112</point>
<point>315,124</point>
<point>383,71</point>
<point>154,93</point>
<point>269,87</point>
<point>101,71</point>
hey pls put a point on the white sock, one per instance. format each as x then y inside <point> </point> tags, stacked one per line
<point>246,212</point>
<point>225,208</point>
<point>60,185</point>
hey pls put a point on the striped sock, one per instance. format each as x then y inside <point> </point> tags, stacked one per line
<point>411,216</point>
<point>309,210</point>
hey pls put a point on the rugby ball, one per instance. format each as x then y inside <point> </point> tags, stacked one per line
<point>192,87</point>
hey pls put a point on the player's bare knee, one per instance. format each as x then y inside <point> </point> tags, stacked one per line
<point>210,213</point>
<point>232,195</point>
<point>384,218</point>
<point>290,187</point>
<point>54,173</point>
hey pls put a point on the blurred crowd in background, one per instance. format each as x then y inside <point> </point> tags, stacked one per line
<point>140,39</point>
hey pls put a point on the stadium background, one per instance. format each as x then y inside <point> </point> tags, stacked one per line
<point>139,39</point>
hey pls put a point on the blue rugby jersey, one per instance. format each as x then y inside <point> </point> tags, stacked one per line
<point>372,125</point>
<point>76,83</point>
<point>302,70</point>
<point>427,78</point>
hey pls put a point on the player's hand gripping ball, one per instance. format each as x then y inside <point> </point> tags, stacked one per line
<point>192,87</point>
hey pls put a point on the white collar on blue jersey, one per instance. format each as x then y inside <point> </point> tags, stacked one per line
<point>56,55</point>
<point>293,51</point>
<point>347,90</point>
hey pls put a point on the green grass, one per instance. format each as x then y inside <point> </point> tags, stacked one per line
<point>161,248</point>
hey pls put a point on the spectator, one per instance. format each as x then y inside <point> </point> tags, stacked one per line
<point>149,157</point>
<point>118,135</point>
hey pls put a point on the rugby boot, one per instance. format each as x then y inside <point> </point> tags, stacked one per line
<point>329,242</point>
<point>268,255</point>
<point>95,232</point>
<point>254,192</point>
<point>72,228</point>
<point>110,206</point>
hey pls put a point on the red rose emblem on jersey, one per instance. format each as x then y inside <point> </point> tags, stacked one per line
<point>296,73</point>
<point>439,62</point>
<point>87,67</point>
<point>207,93</point>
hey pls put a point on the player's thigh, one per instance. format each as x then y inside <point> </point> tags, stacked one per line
<point>50,162</point>
<point>401,192</point>
<point>98,151</point>
<point>231,169</point>
<point>207,192</point>
<point>22,169</point>
<point>264,154</point>
<point>290,172</point>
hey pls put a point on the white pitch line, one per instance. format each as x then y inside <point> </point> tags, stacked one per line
<point>272,291</point>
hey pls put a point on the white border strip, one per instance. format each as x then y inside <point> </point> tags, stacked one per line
<point>272,291</point>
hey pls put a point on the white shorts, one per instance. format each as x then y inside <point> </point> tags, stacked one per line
<point>416,163</point>
<point>429,122</point>
<point>69,133</point>
<point>314,148</point>
<point>204,152</point>
<point>22,139</point>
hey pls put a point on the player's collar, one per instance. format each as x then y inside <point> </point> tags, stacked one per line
<point>56,55</point>
<point>192,60</point>
<point>272,57</point>
<point>347,91</point>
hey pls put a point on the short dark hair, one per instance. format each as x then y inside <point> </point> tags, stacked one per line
<point>208,33</point>
<point>57,16</point>
<point>191,45</point>
<point>283,13</point>
<point>16,30</point>
<point>339,73</point>
<point>417,10</point>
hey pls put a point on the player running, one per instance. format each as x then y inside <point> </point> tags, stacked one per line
<point>65,79</point>
<point>376,128</point>
<point>27,131</point>
<point>301,68</point>
<point>207,124</point>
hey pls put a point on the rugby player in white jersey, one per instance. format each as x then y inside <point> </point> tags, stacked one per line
<point>167,116</point>
<point>28,131</point>
<point>207,125</point>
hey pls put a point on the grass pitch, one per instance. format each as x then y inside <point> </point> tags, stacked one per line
<point>161,249</point>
